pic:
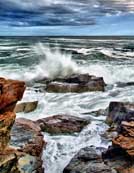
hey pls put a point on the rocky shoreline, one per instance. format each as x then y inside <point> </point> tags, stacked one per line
<point>22,142</point>
<point>119,157</point>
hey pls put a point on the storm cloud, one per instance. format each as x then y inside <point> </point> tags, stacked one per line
<point>35,13</point>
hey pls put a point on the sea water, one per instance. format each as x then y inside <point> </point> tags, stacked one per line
<point>32,59</point>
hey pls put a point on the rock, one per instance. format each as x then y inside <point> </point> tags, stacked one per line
<point>77,78</point>
<point>122,114</point>
<point>119,111</point>
<point>76,83</point>
<point>26,135</point>
<point>116,158</point>
<point>58,124</point>
<point>26,107</point>
<point>127,128</point>
<point>26,138</point>
<point>17,162</point>
<point>125,139</point>
<point>10,92</point>
<point>6,122</point>
<point>126,143</point>
<point>121,84</point>
<point>7,162</point>
<point>28,164</point>
<point>88,161</point>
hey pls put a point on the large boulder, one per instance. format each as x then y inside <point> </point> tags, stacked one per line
<point>58,124</point>
<point>125,139</point>
<point>26,144</point>
<point>11,91</point>
<point>26,107</point>
<point>119,111</point>
<point>6,122</point>
<point>112,160</point>
<point>116,158</point>
<point>87,161</point>
<point>76,83</point>
<point>26,136</point>
<point>121,116</point>
<point>17,162</point>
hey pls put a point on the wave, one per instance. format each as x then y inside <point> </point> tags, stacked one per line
<point>54,63</point>
<point>111,73</point>
<point>51,63</point>
<point>101,52</point>
<point>44,61</point>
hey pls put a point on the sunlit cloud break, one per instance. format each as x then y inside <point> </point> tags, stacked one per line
<point>92,14</point>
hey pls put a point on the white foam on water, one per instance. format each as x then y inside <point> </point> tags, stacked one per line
<point>60,149</point>
<point>54,63</point>
<point>111,73</point>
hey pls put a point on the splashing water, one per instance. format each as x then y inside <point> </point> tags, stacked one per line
<point>54,63</point>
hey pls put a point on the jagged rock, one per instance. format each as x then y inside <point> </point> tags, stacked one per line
<point>6,122</point>
<point>126,143</point>
<point>26,139</point>
<point>119,111</point>
<point>11,91</point>
<point>17,162</point>
<point>116,158</point>
<point>125,139</point>
<point>127,128</point>
<point>26,107</point>
<point>77,78</point>
<point>58,124</point>
<point>7,162</point>
<point>26,135</point>
<point>122,114</point>
<point>76,83</point>
<point>87,161</point>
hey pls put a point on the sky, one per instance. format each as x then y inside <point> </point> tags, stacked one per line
<point>66,17</point>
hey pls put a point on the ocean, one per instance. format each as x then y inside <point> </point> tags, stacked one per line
<point>34,58</point>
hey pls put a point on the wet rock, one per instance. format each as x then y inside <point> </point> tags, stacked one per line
<point>121,84</point>
<point>116,158</point>
<point>7,162</point>
<point>26,107</point>
<point>125,139</point>
<point>17,162</point>
<point>119,111</point>
<point>127,128</point>
<point>28,164</point>
<point>10,92</point>
<point>26,135</point>
<point>88,161</point>
<point>58,124</point>
<point>26,138</point>
<point>76,83</point>
<point>6,122</point>
<point>79,78</point>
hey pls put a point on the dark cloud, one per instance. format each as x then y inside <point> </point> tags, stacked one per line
<point>60,12</point>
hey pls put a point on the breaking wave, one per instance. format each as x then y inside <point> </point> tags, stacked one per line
<point>54,63</point>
